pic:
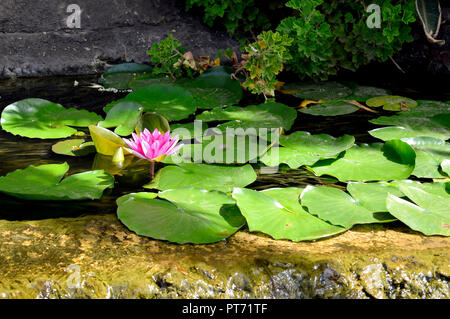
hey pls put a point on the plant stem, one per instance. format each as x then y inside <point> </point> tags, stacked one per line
<point>152,170</point>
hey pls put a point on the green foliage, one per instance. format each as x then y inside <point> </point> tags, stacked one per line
<point>165,55</point>
<point>313,39</point>
<point>265,60</point>
<point>329,35</point>
<point>239,17</point>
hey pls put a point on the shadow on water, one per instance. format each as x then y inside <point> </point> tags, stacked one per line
<point>18,153</point>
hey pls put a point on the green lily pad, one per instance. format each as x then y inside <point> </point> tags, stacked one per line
<point>445,165</point>
<point>372,196</point>
<point>427,108</point>
<point>195,129</point>
<point>207,176</point>
<point>187,215</point>
<point>173,102</point>
<point>124,116</point>
<point>438,189</point>
<point>318,91</point>
<point>430,152</point>
<point>330,108</point>
<point>278,213</point>
<point>119,75</point>
<point>215,91</point>
<point>418,218</point>
<point>301,148</point>
<point>363,93</point>
<point>267,115</point>
<point>74,147</point>
<point>38,118</point>
<point>392,102</point>
<point>141,81</point>
<point>339,208</point>
<point>225,149</point>
<point>45,182</point>
<point>375,162</point>
<point>412,126</point>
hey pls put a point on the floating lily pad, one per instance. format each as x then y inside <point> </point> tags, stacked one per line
<point>318,91</point>
<point>302,148</point>
<point>427,108</point>
<point>417,218</point>
<point>430,215</point>
<point>45,182</point>
<point>372,196</point>
<point>215,91</point>
<point>278,213</point>
<point>330,108</point>
<point>363,93</point>
<point>392,102</point>
<point>339,208</point>
<point>124,116</point>
<point>438,189</point>
<point>430,152</point>
<point>207,176</point>
<point>445,165</point>
<point>173,102</point>
<point>38,118</point>
<point>186,215</point>
<point>267,115</point>
<point>149,79</point>
<point>119,75</point>
<point>375,162</point>
<point>74,147</point>
<point>225,149</point>
<point>412,126</point>
<point>190,130</point>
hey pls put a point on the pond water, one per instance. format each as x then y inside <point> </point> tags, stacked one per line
<point>18,153</point>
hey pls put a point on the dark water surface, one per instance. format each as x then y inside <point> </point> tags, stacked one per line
<point>18,152</point>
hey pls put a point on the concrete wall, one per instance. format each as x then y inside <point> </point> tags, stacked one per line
<point>35,39</point>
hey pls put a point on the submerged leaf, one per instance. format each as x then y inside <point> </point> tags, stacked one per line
<point>120,75</point>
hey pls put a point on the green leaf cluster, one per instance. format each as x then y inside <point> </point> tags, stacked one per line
<point>265,60</point>
<point>165,55</point>
<point>331,35</point>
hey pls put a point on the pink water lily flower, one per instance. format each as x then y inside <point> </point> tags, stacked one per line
<point>153,146</point>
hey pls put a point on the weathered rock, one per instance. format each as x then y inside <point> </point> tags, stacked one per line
<point>37,41</point>
<point>97,257</point>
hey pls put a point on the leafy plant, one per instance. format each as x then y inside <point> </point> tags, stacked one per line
<point>330,35</point>
<point>166,55</point>
<point>264,60</point>
<point>239,17</point>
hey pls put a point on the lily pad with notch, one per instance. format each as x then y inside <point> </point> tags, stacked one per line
<point>185,215</point>
<point>39,118</point>
<point>278,213</point>
<point>339,208</point>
